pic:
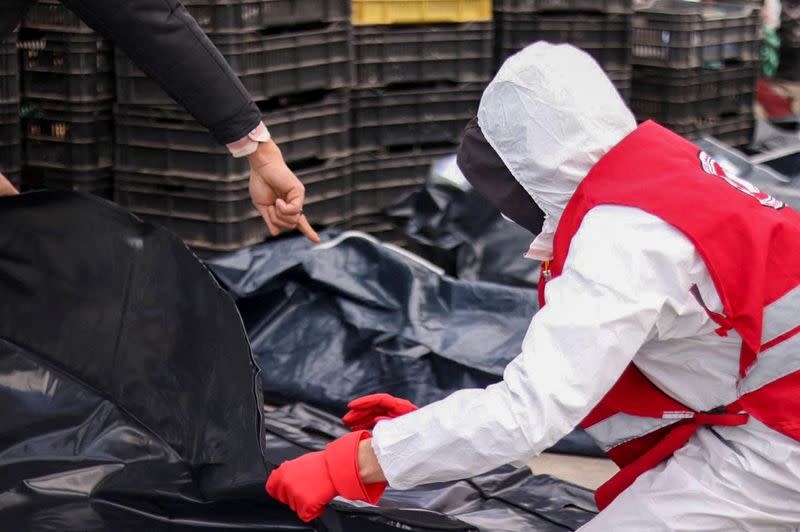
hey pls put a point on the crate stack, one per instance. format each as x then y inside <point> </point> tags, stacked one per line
<point>67,101</point>
<point>600,27</point>
<point>295,59</point>
<point>695,67</point>
<point>10,129</point>
<point>421,67</point>
<point>789,32</point>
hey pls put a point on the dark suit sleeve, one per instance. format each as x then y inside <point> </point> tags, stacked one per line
<point>11,13</point>
<point>165,42</point>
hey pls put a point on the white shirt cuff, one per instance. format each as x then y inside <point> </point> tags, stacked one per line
<point>249,144</point>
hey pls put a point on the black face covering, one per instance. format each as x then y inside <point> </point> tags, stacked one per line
<point>486,172</point>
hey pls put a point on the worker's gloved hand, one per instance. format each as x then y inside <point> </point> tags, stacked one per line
<point>366,411</point>
<point>307,484</point>
<point>277,193</point>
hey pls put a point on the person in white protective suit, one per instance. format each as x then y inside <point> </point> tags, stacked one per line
<point>633,298</point>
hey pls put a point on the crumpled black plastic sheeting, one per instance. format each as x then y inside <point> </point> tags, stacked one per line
<point>507,499</point>
<point>464,234</point>
<point>354,317</point>
<point>106,349</point>
<point>124,368</point>
<point>130,400</point>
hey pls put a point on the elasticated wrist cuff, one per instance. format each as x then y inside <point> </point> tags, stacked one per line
<point>341,458</point>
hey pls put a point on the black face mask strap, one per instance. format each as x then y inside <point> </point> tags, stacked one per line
<point>487,173</point>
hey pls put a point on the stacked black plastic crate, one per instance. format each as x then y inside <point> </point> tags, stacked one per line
<point>10,130</point>
<point>295,59</point>
<point>418,85</point>
<point>789,32</point>
<point>600,27</point>
<point>695,67</point>
<point>68,92</point>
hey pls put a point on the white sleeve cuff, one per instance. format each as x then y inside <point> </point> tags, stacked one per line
<point>387,450</point>
<point>249,144</point>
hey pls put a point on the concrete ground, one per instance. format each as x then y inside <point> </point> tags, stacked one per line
<point>587,472</point>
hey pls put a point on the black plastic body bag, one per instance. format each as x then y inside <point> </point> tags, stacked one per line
<point>353,317</point>
<point>464,234</point>
<point>129,399</point>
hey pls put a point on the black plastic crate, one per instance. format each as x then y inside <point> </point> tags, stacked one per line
<point>14,176</point>
<point>236,16</point>
<point>735,132</point>
<point>192,162</point>
<point>98,181</point>
<point>79,88</point>
<point>435,52</point>
<point>213,236</point>
<point>327,211</point>
<point>682,95</point>
<point>620,7</point>
<point>50,120</point>
<point>10,156</point>
<point>155,179</point>
<point>269,65</point>
<point>377,199</point>
<point>789,31</point>
<point>10,133</point>
<point>302,127</point>
<point>622,79</point>
<point>789,66</point>
<point>681,34</point>
<point>65,154</point>
<point>52,15</point>
<point>193,204</point>
<point>735,129</point>
<point>408,117</point>
<point>327,191</point>
<point>329,178</point>
<point>168,126</point>
<point>380,178</point>
<point>9,71</point>
<point>378,168</point>
<point>318,129</point>
<point>10,128</point>
<point>607,38</point>
<point>70,53</point>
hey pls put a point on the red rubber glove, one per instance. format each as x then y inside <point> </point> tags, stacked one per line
<point>366,411</point>
<point>307,484</point>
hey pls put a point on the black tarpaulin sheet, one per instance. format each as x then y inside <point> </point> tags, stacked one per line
<point>507,499</point>
<point>129,399</point>
<point>464,234</point>
<point>460,231</point>
<point>108,320</point>
<point>352,317</point>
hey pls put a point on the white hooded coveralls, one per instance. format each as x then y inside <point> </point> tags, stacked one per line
<point>623,295</point>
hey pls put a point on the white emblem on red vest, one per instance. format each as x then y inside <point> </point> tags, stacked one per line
<point>710,166</point>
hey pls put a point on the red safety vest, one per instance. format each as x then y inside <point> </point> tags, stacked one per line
<point>750,244</point>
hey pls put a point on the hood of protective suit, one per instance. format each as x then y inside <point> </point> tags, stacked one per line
<point>550,114</point>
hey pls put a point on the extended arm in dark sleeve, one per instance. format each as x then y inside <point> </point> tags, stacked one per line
<point>163,39</point>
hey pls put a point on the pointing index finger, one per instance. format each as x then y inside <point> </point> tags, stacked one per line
<point>304,227</point>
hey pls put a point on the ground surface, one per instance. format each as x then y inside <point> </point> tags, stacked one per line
<point>587,472</point>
